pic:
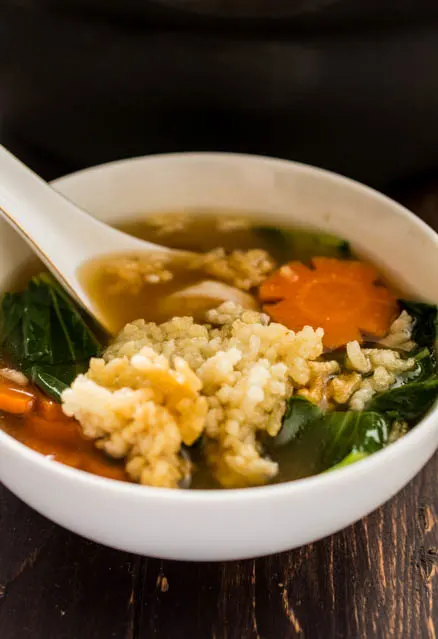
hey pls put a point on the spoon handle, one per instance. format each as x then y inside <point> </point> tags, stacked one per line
<point>62,234</point>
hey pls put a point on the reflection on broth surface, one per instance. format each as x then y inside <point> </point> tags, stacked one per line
<point>128,287</point>
<point>263,355</point>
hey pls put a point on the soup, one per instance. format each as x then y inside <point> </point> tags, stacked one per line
<point>259,355</point>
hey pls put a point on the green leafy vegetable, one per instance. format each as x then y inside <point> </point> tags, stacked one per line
<point>43,334</point>
<point>299,414</point>
<point>351,458</point>
<point>352,432</point>
<point>342,437</point>
<point>425,367</point>
<point>303,245</point>
<point>414,392</point>
<point>417,390</point>
<point>425,331</point>
<point>408,402</point>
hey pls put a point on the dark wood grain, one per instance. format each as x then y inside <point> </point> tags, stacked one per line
<point>376,580</point>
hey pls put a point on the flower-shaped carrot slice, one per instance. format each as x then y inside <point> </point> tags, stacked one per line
<point>343,297</point>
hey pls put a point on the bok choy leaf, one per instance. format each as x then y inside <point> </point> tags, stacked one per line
<point>299,414</point>
<point>425,331</point>
<point>342,437</point>
<point>44,334</point>
<point>408,402</point>
<point>302,245</point>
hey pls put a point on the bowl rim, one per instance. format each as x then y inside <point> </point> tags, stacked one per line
<point>334,479</point>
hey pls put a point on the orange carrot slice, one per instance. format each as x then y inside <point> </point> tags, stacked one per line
<point>16,400</point>
<point>341,296</point>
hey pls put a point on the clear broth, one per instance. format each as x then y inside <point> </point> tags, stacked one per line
<point>201,234</point>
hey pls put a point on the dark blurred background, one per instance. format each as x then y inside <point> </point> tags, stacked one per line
<point>349,85</point>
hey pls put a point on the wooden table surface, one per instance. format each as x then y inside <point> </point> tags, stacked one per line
<point>376,579</point>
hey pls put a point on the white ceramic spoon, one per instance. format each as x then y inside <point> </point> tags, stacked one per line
<point>64,236</point>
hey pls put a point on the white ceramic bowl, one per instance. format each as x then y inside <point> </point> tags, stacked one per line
<point>221,525</point>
